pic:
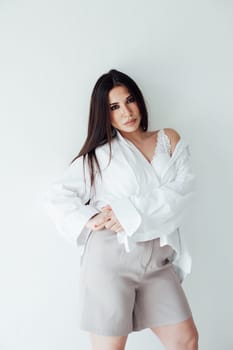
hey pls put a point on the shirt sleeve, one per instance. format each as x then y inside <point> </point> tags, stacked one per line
<point>65,199</point>
<point>162,208</point>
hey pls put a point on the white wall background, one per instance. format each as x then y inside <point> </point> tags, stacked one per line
<point>52,52</point>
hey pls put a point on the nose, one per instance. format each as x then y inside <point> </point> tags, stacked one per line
<point>126,111</point>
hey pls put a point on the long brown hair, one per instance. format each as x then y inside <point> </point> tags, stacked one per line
<point>100,130</point>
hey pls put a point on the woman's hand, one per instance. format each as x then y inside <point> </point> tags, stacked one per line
<point>105,219</point>
<point>112,223</point>
<point>97,222</point>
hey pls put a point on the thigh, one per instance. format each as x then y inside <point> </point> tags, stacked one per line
<point>106,295</point>
<point>160,298</point>
<point>100,342</point>
<point>179,333</point>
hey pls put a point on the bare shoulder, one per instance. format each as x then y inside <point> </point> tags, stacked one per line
<point>173,136</point>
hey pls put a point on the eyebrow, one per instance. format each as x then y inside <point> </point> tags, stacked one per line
<point>114,103</point>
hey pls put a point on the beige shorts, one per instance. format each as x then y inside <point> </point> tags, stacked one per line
<point>123,292</point>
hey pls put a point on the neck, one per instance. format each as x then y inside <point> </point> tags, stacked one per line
<point>136,136</point>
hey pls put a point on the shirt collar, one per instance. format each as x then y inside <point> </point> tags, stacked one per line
<point>120,137</point>
<point>181,145</point>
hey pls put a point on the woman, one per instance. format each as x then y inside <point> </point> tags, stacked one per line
<point>122,201</point>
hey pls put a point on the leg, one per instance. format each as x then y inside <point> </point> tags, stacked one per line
<point>100,342</point>
<point>180,336</point>
<point>107,299</point>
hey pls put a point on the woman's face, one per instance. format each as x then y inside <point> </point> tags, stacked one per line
<point>123,108</point>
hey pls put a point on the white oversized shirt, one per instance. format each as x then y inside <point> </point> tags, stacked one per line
<point>150,199</point>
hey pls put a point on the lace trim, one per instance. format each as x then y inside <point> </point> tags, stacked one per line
<point>163,143</point>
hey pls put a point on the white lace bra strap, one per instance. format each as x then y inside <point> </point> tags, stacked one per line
<point>163,143</point>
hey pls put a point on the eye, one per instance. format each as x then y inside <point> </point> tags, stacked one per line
<point>131,99</point>
<point>113,107</point>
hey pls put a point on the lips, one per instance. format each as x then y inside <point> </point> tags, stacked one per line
<point>130,121</point>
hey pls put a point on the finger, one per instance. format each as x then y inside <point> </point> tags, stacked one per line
<point>101,219</point>
<point>116,227</point>
<point>109,224</point>
<point>107,214</point>
<point>98,227</point>
<point>106,207</point>
<point>106,210</point>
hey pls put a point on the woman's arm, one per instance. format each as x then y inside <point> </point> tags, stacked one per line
<point>161,208</point>
<point>65,202</point>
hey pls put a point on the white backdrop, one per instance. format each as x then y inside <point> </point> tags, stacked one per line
<point>52,52</point>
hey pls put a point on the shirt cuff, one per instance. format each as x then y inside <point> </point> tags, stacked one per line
<point>74,224</point>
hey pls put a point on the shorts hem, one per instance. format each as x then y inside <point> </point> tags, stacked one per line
<point>106,333</point>
<point>154,324</point>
